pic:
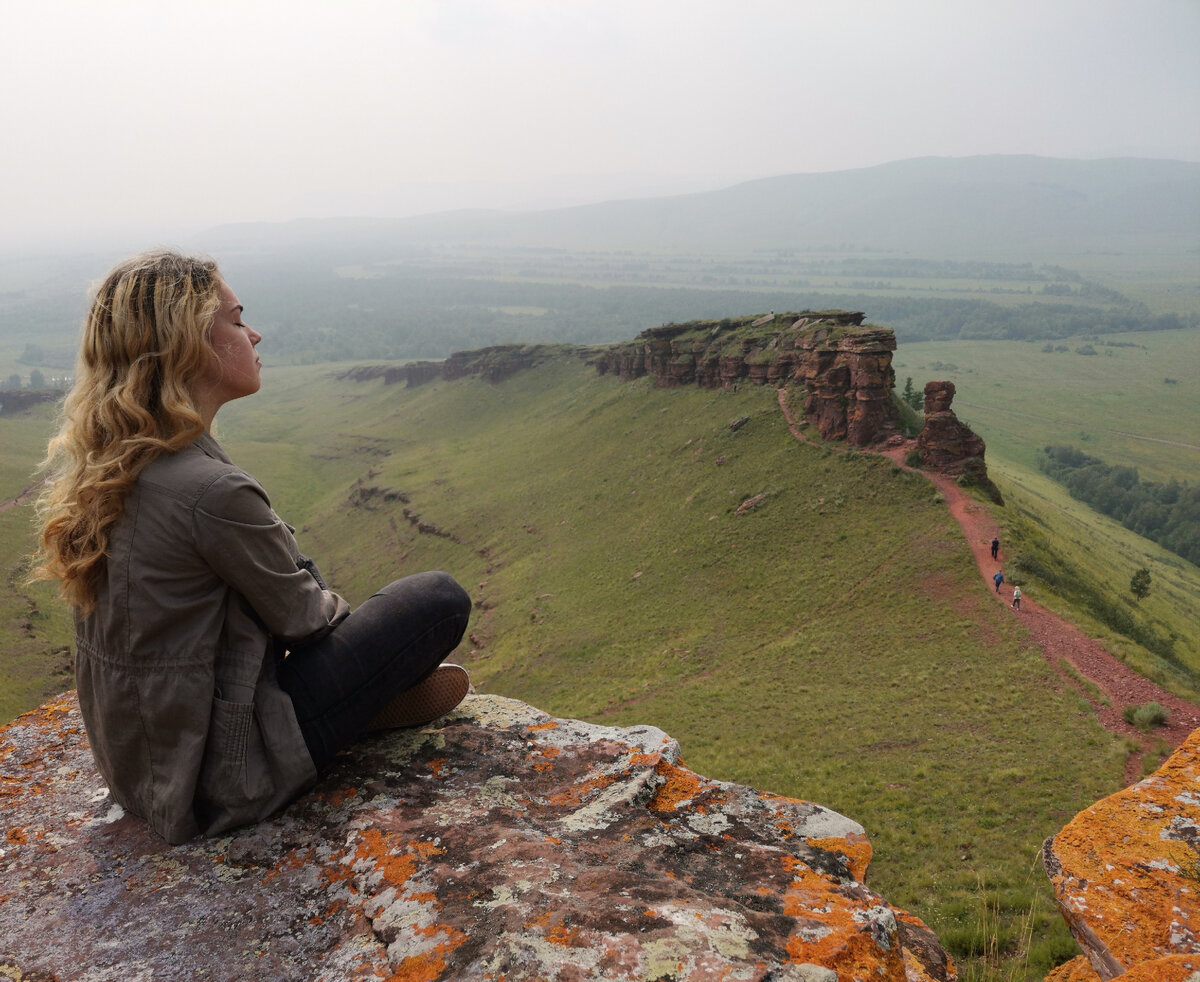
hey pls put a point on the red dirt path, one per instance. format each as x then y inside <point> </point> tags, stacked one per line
<point>1059,640</point>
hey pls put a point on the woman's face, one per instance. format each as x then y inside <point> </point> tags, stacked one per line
<point>234,370</point>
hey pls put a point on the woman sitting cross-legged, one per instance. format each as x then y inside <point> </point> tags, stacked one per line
<point>217,674</point>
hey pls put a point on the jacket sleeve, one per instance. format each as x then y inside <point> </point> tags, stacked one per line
<point>253,551</point>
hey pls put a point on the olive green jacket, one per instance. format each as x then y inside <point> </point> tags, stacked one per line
<point>176,666</point>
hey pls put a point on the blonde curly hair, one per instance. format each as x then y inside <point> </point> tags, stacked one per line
<point>145,340</point>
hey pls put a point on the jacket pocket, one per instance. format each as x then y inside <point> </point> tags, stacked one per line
<point>223,777</point>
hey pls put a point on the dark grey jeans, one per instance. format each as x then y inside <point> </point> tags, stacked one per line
<point>390,643</point>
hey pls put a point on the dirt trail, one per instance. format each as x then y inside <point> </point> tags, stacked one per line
<point>1059,640</point>
<point>25,493</point>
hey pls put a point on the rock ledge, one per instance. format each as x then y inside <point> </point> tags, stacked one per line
<point>503,845</point>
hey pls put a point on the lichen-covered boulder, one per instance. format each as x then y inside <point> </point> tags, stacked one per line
<point>503,844</point>
<point>1126,875</point>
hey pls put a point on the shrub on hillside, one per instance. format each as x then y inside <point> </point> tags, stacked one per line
<point>1146,717</point>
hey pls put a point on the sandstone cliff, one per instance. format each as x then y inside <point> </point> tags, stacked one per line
<point>844,367</point>
<point>948,445</point>
<point>945,442</point>
<point>503,844</point>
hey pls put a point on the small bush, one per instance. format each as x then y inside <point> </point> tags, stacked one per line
<point>1146,717</point>
<point>913,458</point>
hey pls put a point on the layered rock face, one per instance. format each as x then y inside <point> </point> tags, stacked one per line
<point>1126,875</point>
<point>845,367</point>
<point>503,844</point>
<point>946,444</point>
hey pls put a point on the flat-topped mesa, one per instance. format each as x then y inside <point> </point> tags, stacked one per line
<point>844,366</point>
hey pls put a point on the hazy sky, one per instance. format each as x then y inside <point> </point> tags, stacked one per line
<point>166,112</point>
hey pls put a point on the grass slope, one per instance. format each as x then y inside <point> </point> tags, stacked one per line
<point>832,644</point>
<point>35,658</point>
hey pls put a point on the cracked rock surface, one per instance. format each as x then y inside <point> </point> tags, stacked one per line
<point>500,844</point>
<point>1126,876</point>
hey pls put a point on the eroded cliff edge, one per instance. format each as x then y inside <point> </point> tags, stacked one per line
<point>844,366</point>
<point>841,367</point>
<point>500,844</point>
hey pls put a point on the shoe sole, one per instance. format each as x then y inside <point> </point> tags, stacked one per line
<point>427,700</point>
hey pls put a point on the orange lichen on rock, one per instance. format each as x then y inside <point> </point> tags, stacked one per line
<point>582,790</point>
<point>498,845</point>
<point>1078,969</point>
<point>856,940</point>
<point>679,786</point>
<point>425,967</point>
<point>856,848</point>
<point>546,757</point>
<point>394,860</point>
<point>1124,870</point>
<point>1173,968</point>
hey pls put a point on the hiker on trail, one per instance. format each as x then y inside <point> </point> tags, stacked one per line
<point>998,579</point>
<point>217,674</point>
<point>995,548</point>
<point>1017,597</point>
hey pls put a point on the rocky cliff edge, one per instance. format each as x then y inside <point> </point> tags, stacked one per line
<point>844,366</point>
<point>1126,876</point>
<point>502,844</point>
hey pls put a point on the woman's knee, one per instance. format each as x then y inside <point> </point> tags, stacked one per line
<point>431,590</point>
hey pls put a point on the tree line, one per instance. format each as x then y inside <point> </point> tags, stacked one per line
<point>429,310</point>
<point>412,314</point>
<point>1167,513</point>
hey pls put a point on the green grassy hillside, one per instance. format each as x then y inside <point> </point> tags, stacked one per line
<point>35,659</point>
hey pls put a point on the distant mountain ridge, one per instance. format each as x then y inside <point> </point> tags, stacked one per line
<point>933,206</point>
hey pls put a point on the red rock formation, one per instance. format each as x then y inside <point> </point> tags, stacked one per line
<point>504,844</point>
<point>1126,876</point>
<point>945,443</point>
<point>844,367</point>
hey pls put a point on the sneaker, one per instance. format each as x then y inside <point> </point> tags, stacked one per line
<point>430,698</point>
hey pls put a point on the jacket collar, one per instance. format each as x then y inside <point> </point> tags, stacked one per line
<point>209,447</point>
